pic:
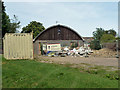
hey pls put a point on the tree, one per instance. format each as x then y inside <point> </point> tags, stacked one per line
<point>14,25</point>
<point>95,44</point>
<point>5,21</point>
<point>34,26</point>
<point>9,25</point>
<point>102,36</point>
<point>98,33</point>
<point>107,38</point>
<point>111,31</point>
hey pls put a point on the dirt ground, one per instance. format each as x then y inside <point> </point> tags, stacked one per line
<point>79,60</point>
<point>105,53</point>
<point>104,58</point>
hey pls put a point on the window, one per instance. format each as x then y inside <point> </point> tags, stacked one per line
<point>58,31</point>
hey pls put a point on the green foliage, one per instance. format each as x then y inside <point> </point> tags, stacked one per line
<point>14,25</point>
<point>5,21</point>
<point>95,44</point>
<point>102,36</point>
<point>98,33</point>
<point>74,45</point>
<point>112,76</point>
<point>41,48</point>
<point>107,38</point>
<point>118,38</point>
<point>9,26</point>
<point>111,31</point>
<point>34,26</point>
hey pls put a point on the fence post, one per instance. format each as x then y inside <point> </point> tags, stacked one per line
<point>117,49</point>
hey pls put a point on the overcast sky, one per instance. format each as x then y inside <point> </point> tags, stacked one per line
<point>83,17</point>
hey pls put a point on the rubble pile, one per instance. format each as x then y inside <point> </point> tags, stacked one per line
<point>107,53</point>
<point>82,51</point>
<point>66,51</point>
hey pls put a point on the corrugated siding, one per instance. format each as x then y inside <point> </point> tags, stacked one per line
<point>18,46</point>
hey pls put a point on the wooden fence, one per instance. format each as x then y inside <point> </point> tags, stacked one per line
<point>18,46</point>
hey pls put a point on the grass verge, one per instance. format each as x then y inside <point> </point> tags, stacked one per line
<point>32,74</point>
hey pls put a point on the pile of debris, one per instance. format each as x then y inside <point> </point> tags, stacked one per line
<point>66,51</point>
<point>83,51</point>
<point>107,53</point>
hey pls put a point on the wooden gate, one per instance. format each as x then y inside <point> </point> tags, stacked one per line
<point>18,46</point>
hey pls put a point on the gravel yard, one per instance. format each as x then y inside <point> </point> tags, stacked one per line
<point>79,60</point>
<point>102,57</point>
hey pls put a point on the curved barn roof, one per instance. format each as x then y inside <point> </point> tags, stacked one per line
<point>58,26</point>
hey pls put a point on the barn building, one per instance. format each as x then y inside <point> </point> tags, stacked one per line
<point>57,34</point>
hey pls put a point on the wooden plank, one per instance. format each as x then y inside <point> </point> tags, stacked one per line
<point>18,47</point>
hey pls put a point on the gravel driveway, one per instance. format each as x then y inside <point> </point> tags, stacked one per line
<point>78,60</point>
